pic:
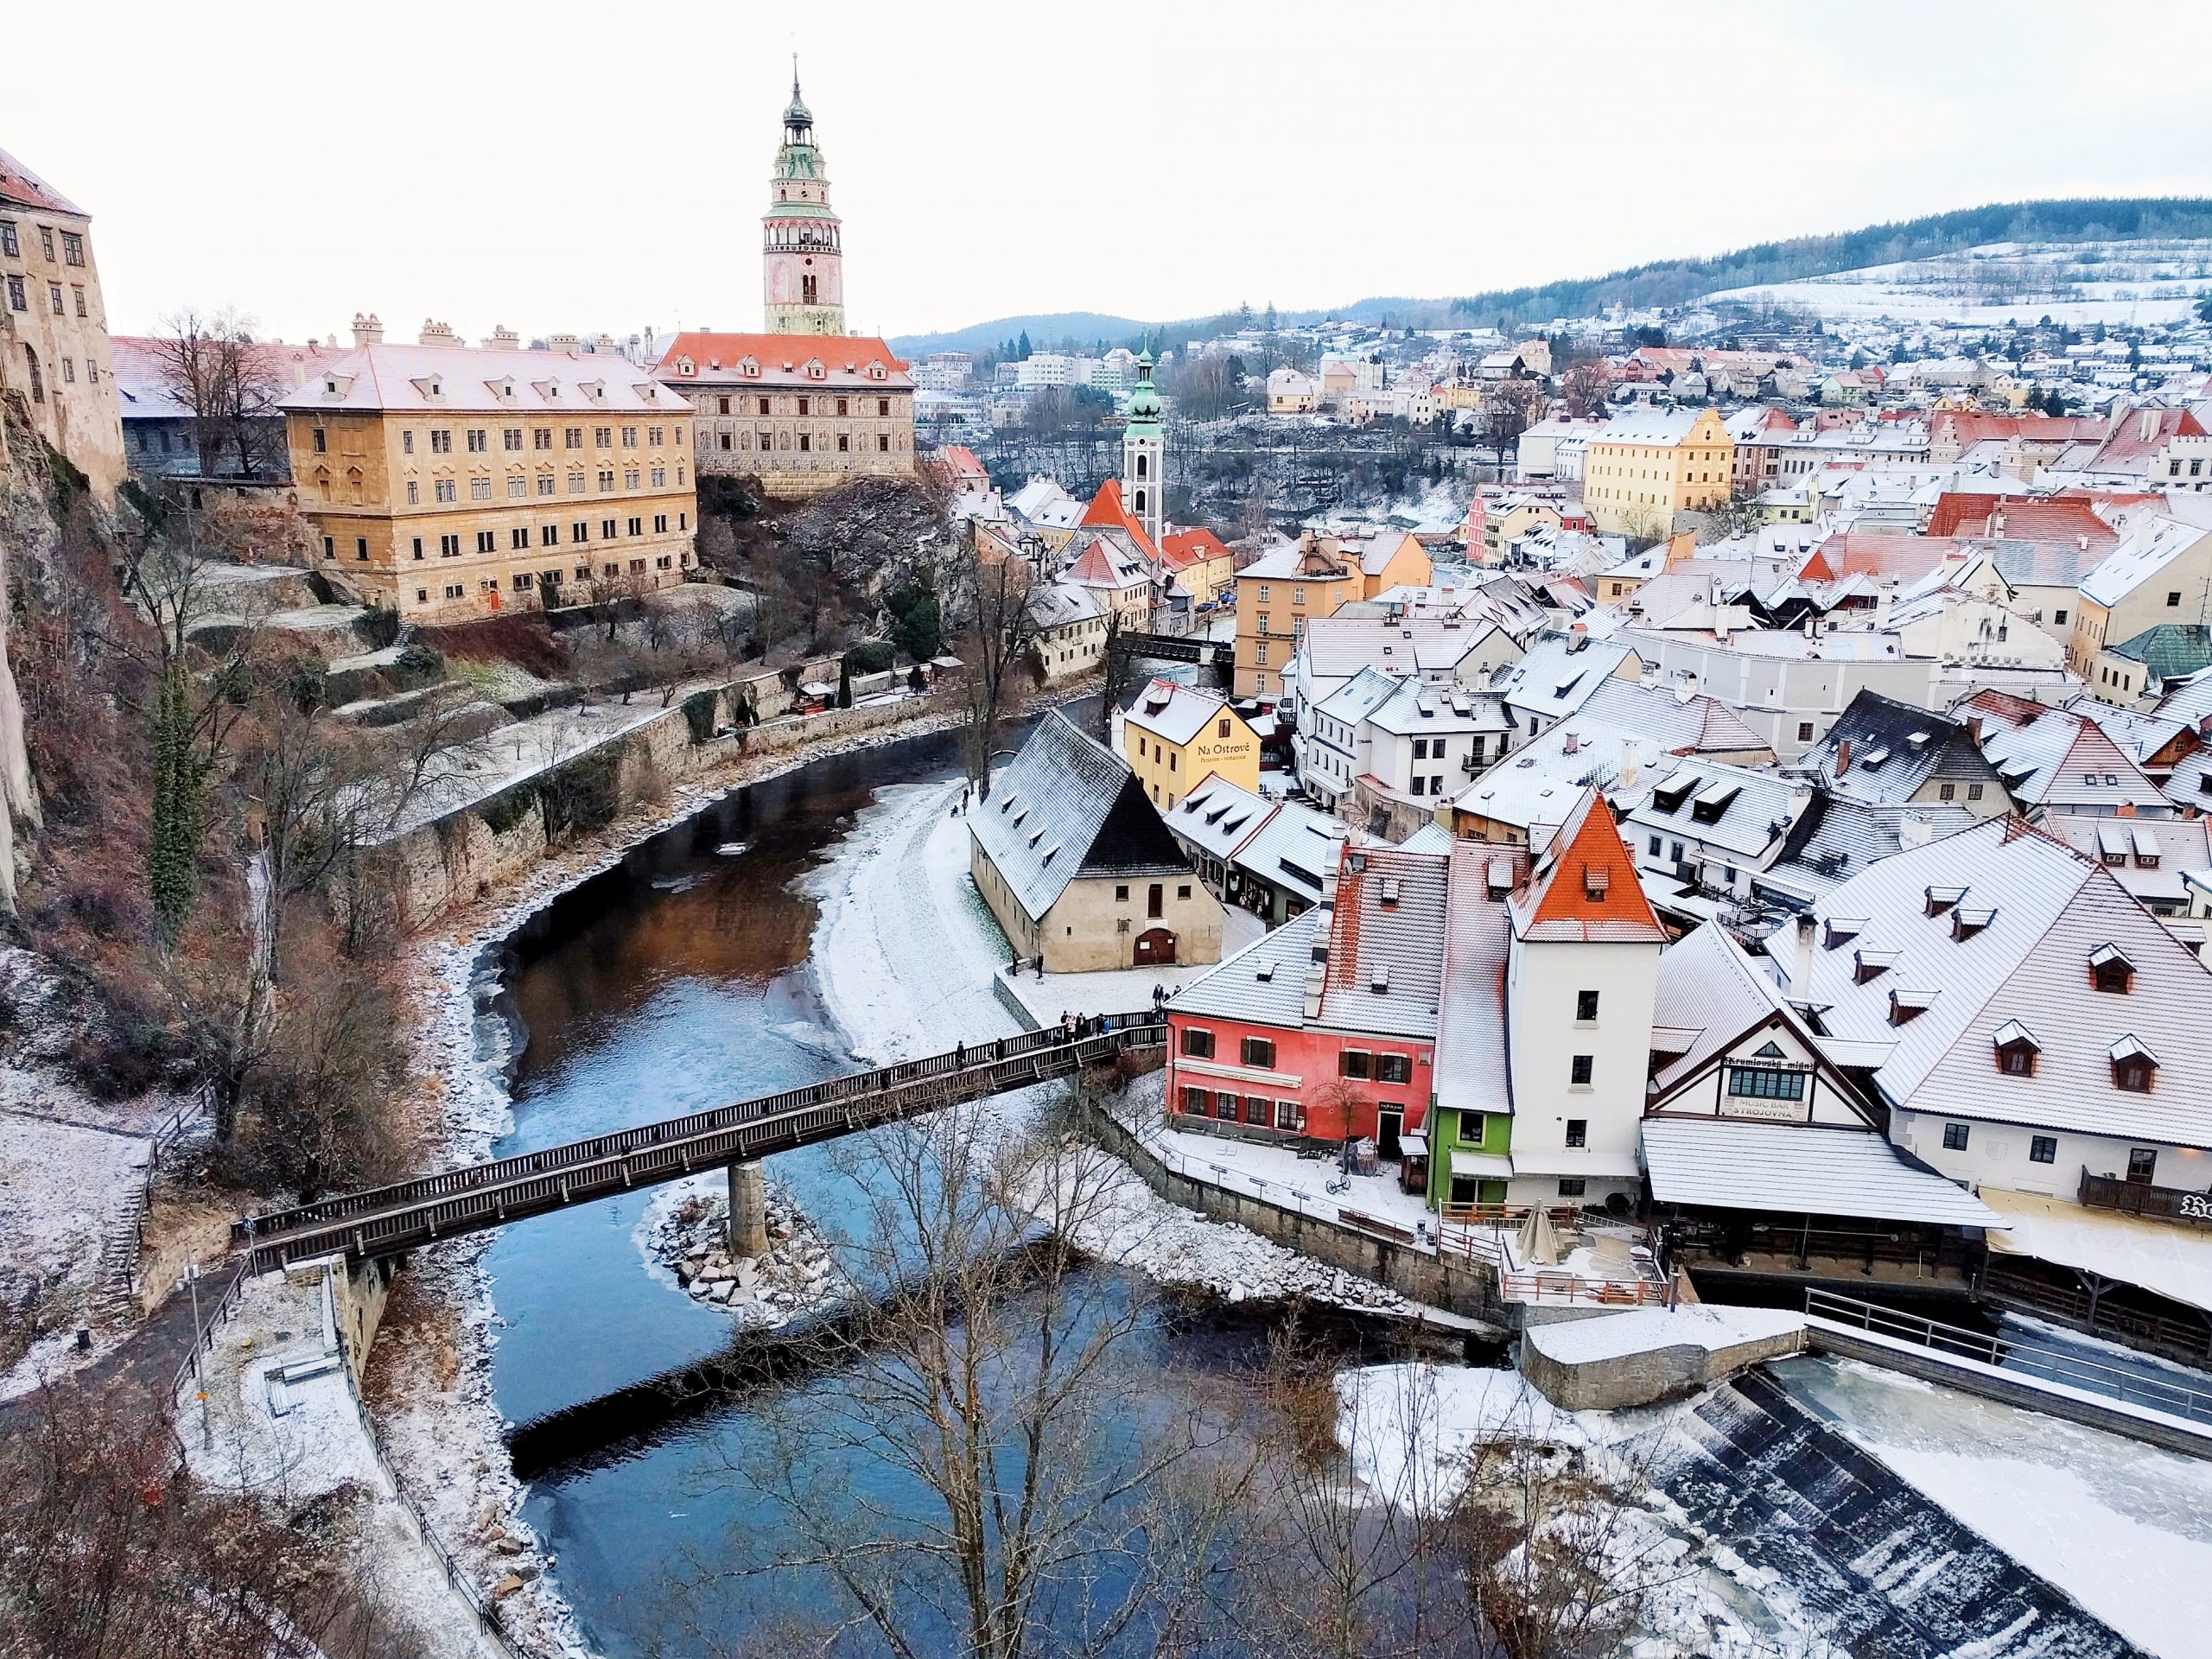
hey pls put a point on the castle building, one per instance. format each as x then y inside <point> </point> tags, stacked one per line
<point>56,362</point>
<point>803,278</point>
<point>445,481</point>
<point>804,406</point>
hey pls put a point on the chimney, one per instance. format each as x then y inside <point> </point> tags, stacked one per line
<point>2149,424</point>
<point>437,333</point>
<point>1573,744</point>
<point>367,330</point>
<point>572,344</point>
<point>1843,757</point>
<point>1801,969</point>
<point>503,339</point>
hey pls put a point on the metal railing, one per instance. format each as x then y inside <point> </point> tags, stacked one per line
<point>2176,1398</point>
<point>389,1219</point>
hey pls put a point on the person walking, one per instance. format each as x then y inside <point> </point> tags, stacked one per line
<point>959,1057</point>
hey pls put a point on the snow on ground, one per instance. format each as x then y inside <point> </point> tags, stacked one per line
<point>1277,1173</point>
<point>1642,1330</point>
<point>1126,990</point>
<point>2123,1528</point>
<point>683,1236</point>
<point>2079,283</point>
<point>1410,1429</point>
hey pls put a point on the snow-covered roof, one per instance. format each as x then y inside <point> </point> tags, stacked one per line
<point>2015,945</point>
<point>1175,713</point>
<point>1263,984</point>
<point>471,380</point>
<point>1296,848</point>
<point>1220,816</point>
<point>1415,708</point>
<point>1470,1071</point>
<point>1560,672</point>
<point>1797,1169</point>
<point>2150,545</point>
<point>1735,808</point>
<point>2054,758</point>
<point>1066,806</point>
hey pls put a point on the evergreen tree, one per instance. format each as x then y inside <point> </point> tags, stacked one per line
<point>1022,353</point>
<point>180,798</point>
<point>844,685</point>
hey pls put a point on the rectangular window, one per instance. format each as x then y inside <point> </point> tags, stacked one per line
<point>1577,1131</point>
<point>572,437</point>
<point>16,299</point>
<point>361,548</point>
<point>1804,731</point>
<point>629,478</point>
<point>487,540</point>
<point>1586,1006</point>
<point>602,437</point>
<point>1286,1117</point>
<point>606,479</point>
<point>511,439</point>
<point>10,243</point>
<point>1198,1102</point>
<point>72,248</point>
<point>545,483</point>
<point>541,437</point>
<point>1572,1186</point>
<point>1954,1137</point>
<point>2043,1149</point>
<point>653,435</point>
<point>53,298</point>
<point>549,535</point>
<point>1946,792</point>
<point>78,293</point>
<point>518,538</point>
<point>329,548</point>
<point>517,487</point>
<point>1393,1068</point>
<point>417,547</point>
<point>581,530</point>
<point>2142,1165</point>
<point>1355,1063</point>
<point>629,437</point>
<point>441,441</point>
<point>406,443</point>
<point>764,406</point>
<point>1196,1044</point>
<point>480,489</point>
<point>1765,1083</point>
<point>1580,1070</point>
<point>1259,1051</point>
<point>478,441</point>
<point>1973,792</point>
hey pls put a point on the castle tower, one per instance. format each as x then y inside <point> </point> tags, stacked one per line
<point>803,286</point>
<point>1144,484</point>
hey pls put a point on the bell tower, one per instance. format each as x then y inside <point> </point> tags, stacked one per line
<point>1144,485</point>
<point>803,278</point>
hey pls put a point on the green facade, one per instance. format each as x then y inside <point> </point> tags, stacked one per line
<point>1451,1129</point>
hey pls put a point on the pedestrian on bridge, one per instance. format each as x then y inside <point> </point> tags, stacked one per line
<point>959,1057</point>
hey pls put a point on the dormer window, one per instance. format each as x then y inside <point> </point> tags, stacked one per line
<point>1596,882</point>
<point>1908,1006</point>
<point>1967,922</point>
<point>685,366</point>
<point>2017,1049</point>
<point>2111,971</point>
<point>1871,964</point>
<point>1841,930</point>
<point>2134,1067</point>
<point>1942,898</point>
<point>1389,900</point>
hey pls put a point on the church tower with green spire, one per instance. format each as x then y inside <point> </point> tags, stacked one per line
<point>803,288</point>
<point>1144,484</point>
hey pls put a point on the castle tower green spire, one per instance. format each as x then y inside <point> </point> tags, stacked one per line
<point>803,278</point>
<point>1144,485</point>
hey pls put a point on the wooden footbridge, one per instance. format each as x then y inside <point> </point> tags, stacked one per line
<point>391,1220</point>
<point>1220,655</point>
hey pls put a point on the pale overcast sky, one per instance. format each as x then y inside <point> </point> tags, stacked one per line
<point>567,166</point>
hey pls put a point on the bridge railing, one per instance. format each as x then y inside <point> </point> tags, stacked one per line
<point>389,1218</point>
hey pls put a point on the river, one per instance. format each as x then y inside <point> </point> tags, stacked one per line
<point>676,980</point>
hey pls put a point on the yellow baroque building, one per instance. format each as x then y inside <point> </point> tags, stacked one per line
<point>1642,470</point>
<point>448,482</point>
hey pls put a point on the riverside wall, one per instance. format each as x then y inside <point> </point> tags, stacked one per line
<point>1466,1287</point>
<point>472,850</point>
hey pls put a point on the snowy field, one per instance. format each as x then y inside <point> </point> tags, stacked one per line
<point>2080,283</point>
<point>2123,1528</point>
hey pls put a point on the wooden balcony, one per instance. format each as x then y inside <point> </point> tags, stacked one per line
<point>2141,1198</point>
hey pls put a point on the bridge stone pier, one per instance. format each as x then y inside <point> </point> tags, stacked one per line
<point>748,1208</point>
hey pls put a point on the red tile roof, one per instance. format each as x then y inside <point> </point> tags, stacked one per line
<point>1106,510</point>
<point>1181,548</point>
<point>19,185</point>
<point>2046,519</point>
<point>845,359</point>
<point>1584,886</point>
<point>1885,555</point>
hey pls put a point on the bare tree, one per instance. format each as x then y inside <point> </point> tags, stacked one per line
<point>1510,407</point>
<point>991,1387</point>
<point>1585,388</point>
<point>211,364</point>
<point>998,629</point>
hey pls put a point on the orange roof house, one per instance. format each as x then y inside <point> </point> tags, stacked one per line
<point>1584,886</point>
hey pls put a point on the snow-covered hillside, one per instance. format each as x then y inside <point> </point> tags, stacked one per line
<point>2144,282</point>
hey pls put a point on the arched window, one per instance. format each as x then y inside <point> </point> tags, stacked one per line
<point>1140,500</point>
<point>1143,461</point>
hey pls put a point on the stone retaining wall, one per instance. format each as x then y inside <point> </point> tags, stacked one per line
<point>459,857</point>
<point>1466,1287</point>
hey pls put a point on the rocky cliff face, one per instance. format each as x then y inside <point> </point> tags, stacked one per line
<point>29,533</point>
